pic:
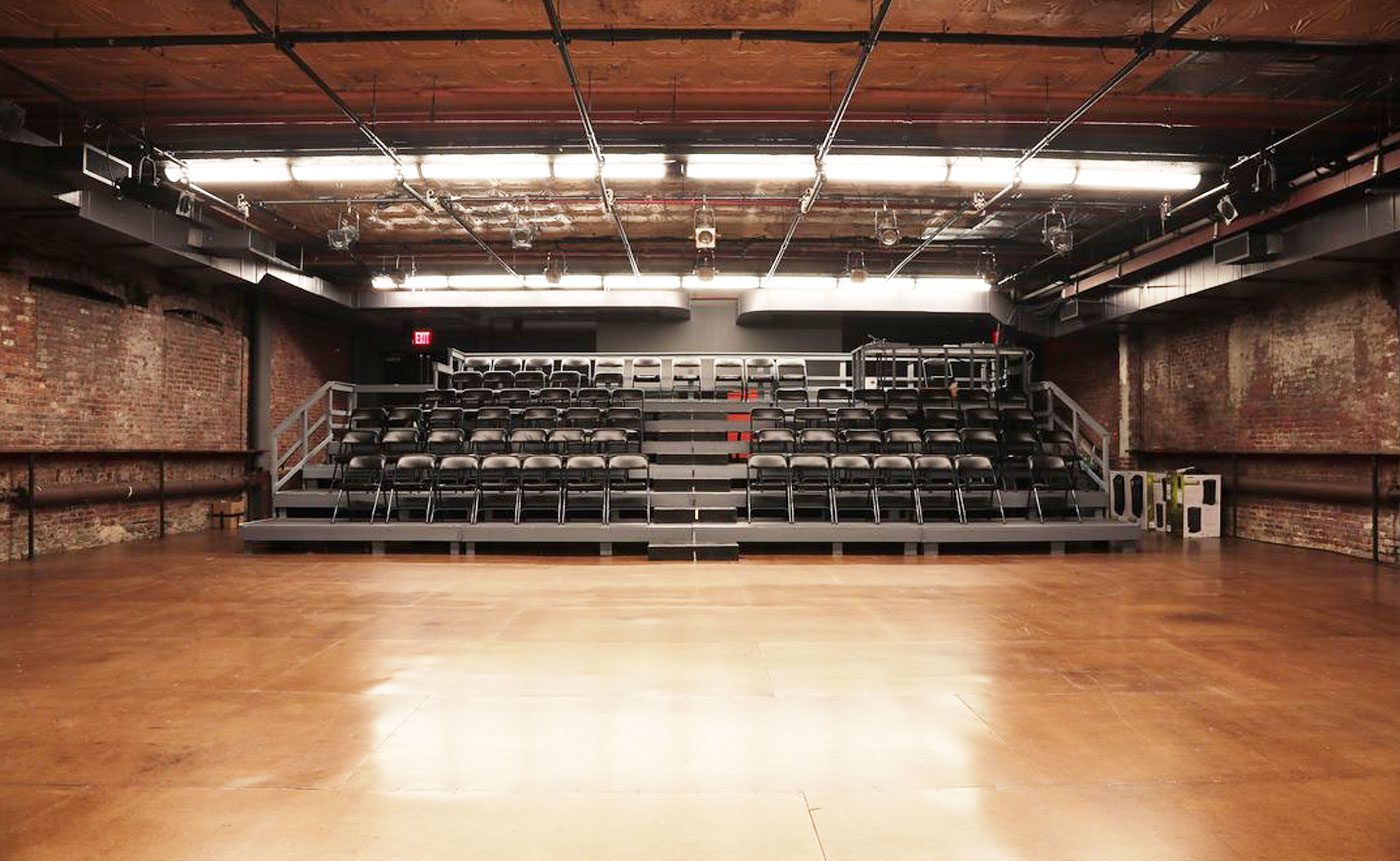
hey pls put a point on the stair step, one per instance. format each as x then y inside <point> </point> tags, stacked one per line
<point>693,514</point>
<point>706,552</point>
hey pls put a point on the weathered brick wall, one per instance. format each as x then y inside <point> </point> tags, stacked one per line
<point>1086,367</point>
<point>1311,369</point>
<point>307,351</point>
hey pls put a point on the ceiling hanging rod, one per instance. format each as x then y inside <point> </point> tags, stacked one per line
<point>605,194</point>
<point>611,35</point>
<point>1145,51</point>
<point>807,200</point>
<point>285,47</point>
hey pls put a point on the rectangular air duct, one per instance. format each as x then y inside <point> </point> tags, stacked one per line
<point>234,241</point>
<point>1249,246</point>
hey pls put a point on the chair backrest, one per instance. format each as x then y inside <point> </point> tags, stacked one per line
<point>475,397</point>
<point>789,395</point>
<point>418,462</point>
<point>904,437</point>
<point>934,466</point>
<point>457,463</point>
<point>608,372</point>
<point>770,462</point>
<point>855,417</point>
<point>365,463</point>
<point>869,396</point>
<point>477,363</point>
<point>942,442</point>
<point>539,363</point>
<point>1019,442</point>
<point>367,418</point>
<point>758,368</point>
<point>792,370</point>
<point>624,417</point>
<point>487,438</point>
<point>498,462</point>
<point>973,466</point>
<point>850,463</point>
<point>513,397</point>
<point>399,440</point>
<point>593,397</point>
<point>445,417</point>
<point>540,414</point>
<point>808,465</point>
<point>646,369</point>
<point>448,438</point>
<point>521,437</point>
<point>628,461</point>
<point>581,366</point>
<point>404,416</point>
<point>566,379</point>
<point>578,462</point>
<point>505,364</point>
<point>628,396</point>
<point>685,369</point>
<point>817,439</point>
<point>903,397</point>
<point>529,380</point>
<point>606,438</point>
<point>729,370</point>
<point>497,379</point>
<point>835,395</point>
<point>774,439</point>
<point>1046,463</point>
<point>894,464</point>
<point>352,439</point>
<point>540,462</point>
<point>466,379</point>
<point>583,417</point>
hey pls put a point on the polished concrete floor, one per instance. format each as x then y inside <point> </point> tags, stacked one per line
<point>183,701</point>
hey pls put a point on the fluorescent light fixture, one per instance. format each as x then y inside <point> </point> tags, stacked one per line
<point>497,281</point>
<point>337,168</point>
<point>799,282</point>
<point>1137,176</point>
<point>383,282</point>
<point>628,281</point>
<point>565,282</point>
<point>225,171</point>
<point>980,171</point>
<point>752,167</point>
<point>720,283</point>
<point>950,284</point>
<point>1048,172</point>
<point>505,167</point>
<point>622,166</point>
<point>907,169</point>
<point>427,282</point>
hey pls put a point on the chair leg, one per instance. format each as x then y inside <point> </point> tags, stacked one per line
<point>374,509</point>
<point>748,500</point>
<point>996,494</point>
<point>959,504</point>
<point>831,497</point>
<point>792,514</point>
<point>519,501</point>
<point>1035,494</point>
<point>607,504</point>
<point>875,502</point>
<point>476,503</point>
<point>1074,500</point>
<point>335,509</point>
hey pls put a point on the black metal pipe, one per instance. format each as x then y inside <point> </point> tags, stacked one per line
<point>1144,52</point>
<point>1375,509</point>
<point>561,42</point>
<point>1125,42</point>
<point>285,47</point>
<point>30,490</point>
<point>809,199</point>
<point>86,493</point>
<point>160,472</point>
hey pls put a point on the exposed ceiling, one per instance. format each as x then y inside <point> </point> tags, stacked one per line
<point>958,77</point>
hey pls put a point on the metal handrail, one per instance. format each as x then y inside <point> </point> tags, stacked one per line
<point>1091,439</point>
<point>302,444</point>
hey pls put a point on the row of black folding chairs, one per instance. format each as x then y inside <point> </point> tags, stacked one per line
<point>448,418</point>
<point>730,372</point>
<point>960,485</point>
<point>884,418</point>
<point>523,396</point>
<point>562,441</point>
<point>1004,445</point>
<point>499,482</point>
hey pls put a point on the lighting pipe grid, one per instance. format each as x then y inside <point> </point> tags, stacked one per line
<point>809,199</point>
<point>1209,193</point>
<point>225,208</point>
<point>604,193</point>
<point>1144,52</point>
<point>285,47</point>
<point>615,35</point>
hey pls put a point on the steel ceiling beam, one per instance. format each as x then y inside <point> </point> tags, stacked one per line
<point>610,35</point>
<point>561,41</point>
<point>285,47</point>
<point>809,199</point>
<point>1150,47</point>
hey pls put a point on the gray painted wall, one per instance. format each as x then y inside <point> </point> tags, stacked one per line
<point>712,328</point>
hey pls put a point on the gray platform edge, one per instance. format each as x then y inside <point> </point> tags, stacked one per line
<point>308,530</point>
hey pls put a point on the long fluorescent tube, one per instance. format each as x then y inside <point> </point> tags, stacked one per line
<point>622,166</point>
<point>980,171</point>
<point>951,283</point>
<point>720,283</point>
<point>504,167</point>
<point>750,167</point>
<point>567,282</point>
<point>799,282</point>
<point>224,171</point>
<point>336,168</point>
<point>907,169</point>
<point>1137,176</point>
<point>1048,172</point>
<point>628,281</point>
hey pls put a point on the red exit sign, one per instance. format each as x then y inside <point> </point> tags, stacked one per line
<point>422,337</point>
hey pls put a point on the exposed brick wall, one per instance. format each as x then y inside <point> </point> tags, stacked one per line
<point>307,351</point>
<point>1314,368</point>
<point>1085,365</point>
<point>163,368</point>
